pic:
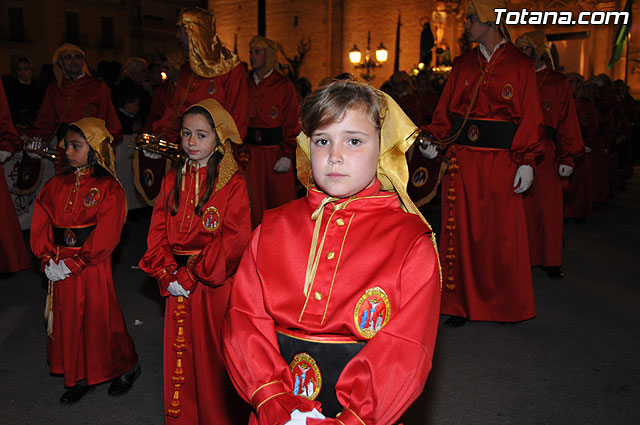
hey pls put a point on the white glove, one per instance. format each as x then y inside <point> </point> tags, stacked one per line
<point>565,170</point>
<point>524,178</point>
<point>429,150</point>
<point>282,165</point>
<point>300,418</point>
<point>587,149</point>
<point>4,155</point>
<point>51,270</point>
<point>177,290</point>
<point>151,155</point>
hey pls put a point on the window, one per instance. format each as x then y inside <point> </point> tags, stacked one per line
<point>72,27</point>
<point>106,24</point>
<point>16,24</point>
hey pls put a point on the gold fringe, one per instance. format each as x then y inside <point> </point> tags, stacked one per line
<point>179,347</point>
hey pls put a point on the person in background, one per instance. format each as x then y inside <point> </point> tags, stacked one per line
<point>273,127</point>
<point>24,94</point>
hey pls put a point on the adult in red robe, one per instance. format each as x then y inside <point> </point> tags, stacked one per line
<point>74,95</point>
<point>273,127</point>
<point>579,197</point>
<point>484,245</point>
<point>77,222</point>
<point>200,252</point>
<point>562,144</point>
<point>13,251</point>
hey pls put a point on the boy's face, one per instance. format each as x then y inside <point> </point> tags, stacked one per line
<point>76,149</point>
<point>344,154</point>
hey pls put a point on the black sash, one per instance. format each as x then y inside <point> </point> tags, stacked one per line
<point>484,133</point>
<point>263,136</point>
<point>182,258</point>
<point>330,357</point>
<point>73,237</point>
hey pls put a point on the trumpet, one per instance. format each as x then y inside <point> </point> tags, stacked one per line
<point>38,146</point>
<point>153,143</point>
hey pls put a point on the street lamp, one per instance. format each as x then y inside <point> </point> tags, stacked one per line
<point>355,57</point>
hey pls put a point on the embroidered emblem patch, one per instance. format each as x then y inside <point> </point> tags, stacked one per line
<point>372,312</point>
<point>211,219</point>
<point>92,197</point>
<point>273,113</point>
<point>148,178</point>
<point>69,237</point>
<point>547,105</point>
<point>190,260</point>
<point>507,91</point>
<point>419,177</point>
<point>473,133</point>
<point>90,110</point>
<point>212,88</point>
<point>307,379</point>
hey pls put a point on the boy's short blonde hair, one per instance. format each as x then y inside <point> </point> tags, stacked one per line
<point>329,104</point>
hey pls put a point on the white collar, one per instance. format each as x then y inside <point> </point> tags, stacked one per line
<point>258,80</point>
<point>486,53</point>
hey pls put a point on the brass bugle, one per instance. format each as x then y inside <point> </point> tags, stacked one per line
<point>38,146</point>
<point>153,143</point>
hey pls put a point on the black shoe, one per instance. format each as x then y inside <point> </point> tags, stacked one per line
<point>123,383</point>
<point>455,321</point>
<point>74,394</point>
<point>554,272</point>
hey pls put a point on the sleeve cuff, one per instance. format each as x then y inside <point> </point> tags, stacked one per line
<point>164,280</point>
<point>266,392</point>
<point>186,279</point>
<point>349,417</point>
<point>75,264</point>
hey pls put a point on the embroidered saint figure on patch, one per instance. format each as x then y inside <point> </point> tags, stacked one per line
<point>92,197</point>
<point>307,379</point>
<point>372,312</point>
<point>211,219</point>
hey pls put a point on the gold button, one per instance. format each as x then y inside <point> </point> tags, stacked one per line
<point>317,296</point>
<point>70,203</point>
<point>340,222</point>
<point>330,255</point>
<point>188,216</point>
<point>191,201</point>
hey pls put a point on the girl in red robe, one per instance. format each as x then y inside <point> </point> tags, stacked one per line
<point>200,225</point>
<point>334,308</point>
<point>77,221</point>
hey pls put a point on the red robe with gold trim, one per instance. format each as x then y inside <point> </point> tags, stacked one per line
<point>273,103</point>
<point>579,197</point>
<point>370,243</point>
<point>13,251</point>
<point>86,96</point>
<point>206,396</point>
<point>543,204</point>
<point>229,89</point>
<point>484,248</point>
<point>90,339</point>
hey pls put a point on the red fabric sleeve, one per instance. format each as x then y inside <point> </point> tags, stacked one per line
<point>158,261</point>
<point>389,373</point>
<point>570,144</point>
<point>441,122</point>
<point>41,235</point>
<point>9,138</point>
<point>527,142</point>
<point>45,124</point>
<point>106,236</point>
<point>253,359</point>
<point>219,260</point>
<point>237,99</point>
<point>290,121</point>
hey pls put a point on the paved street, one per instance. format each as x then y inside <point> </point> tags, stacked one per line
<point>577,362</point>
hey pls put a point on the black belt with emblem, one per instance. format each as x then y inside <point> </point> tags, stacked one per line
<point>331,355</point>
<point>263,136</point>
<point>73,237</point>
<point>484,133</point>
<point>182,257</point>
<point>551,133</point>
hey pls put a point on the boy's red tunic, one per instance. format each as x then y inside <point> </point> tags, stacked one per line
<point>205,395</point>
<point>90,340</point>
<point>13,251</point>
<point>273,104</point>
<point>229,89</point>
<point>484,251</point>
<point>86,96</point>
<point>366,243</point>
<point>543,203</point>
